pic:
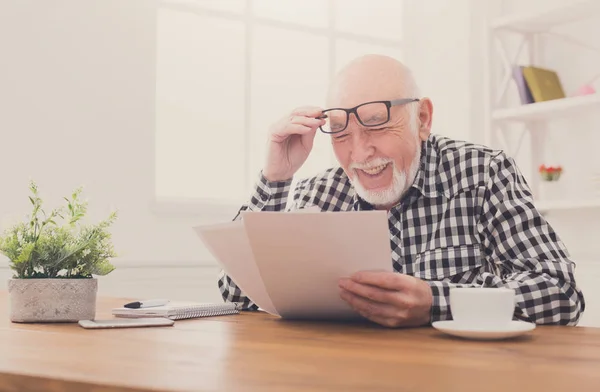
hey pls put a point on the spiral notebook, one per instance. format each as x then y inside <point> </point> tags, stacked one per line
<point>179,310</point>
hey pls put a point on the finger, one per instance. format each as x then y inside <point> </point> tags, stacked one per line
<point>308,139</point>
<point>384,321</point>
<point>308,121</point>
<point>383,279</point>
<point>308,111</point>
<point>387,321</point>
<point>373,293</point>
<point>295,129</point>
<point>292,130</point>
<point>368,307</point>
<point>401,301</point>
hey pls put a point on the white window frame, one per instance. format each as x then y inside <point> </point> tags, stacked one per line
<point>218,208</point>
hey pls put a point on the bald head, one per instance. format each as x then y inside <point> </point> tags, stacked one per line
<point>380,160</point>
<point>371,78</point>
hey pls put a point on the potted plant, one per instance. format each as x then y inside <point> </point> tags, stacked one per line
<point>54,258</point>
<point>550,173</point>
<point>550,187</point>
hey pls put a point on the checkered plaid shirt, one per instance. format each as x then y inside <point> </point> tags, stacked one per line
<point>468,220</point>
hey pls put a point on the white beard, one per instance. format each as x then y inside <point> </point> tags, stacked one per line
<point>392,194</point>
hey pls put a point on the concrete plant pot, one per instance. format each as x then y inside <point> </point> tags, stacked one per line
<point>52,300</point>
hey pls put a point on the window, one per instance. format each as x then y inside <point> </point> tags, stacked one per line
<point>228,69</point>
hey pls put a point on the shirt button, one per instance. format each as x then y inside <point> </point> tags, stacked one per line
<point>264,197</point>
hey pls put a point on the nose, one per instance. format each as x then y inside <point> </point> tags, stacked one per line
<point>362,149</point>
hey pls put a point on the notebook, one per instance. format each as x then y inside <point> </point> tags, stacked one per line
<point>544,84</point>
<point>179,310</point>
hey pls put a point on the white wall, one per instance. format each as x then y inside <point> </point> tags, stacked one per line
<point>436,34</point>
<point>77,108</point>
<point>77,102</point>
<point>271,56</point>
<point>82,76</point>
<point>87,80</point>
<point>445,48</point>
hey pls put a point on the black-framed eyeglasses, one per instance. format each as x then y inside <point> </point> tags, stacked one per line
<point>368,114</point>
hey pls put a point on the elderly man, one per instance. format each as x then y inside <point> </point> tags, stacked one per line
<point>459,214</point>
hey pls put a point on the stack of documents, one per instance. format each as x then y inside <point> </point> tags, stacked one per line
<point>289,263</point>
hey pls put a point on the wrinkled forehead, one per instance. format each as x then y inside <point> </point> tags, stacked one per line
<point>352,90</point>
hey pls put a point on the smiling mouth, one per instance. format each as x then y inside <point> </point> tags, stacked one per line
<point>373,171</point>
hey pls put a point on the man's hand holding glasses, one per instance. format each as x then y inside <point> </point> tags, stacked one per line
<point>291,138</point>
<point>290,142</point>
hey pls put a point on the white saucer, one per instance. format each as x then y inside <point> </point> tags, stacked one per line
<point>512,329</point>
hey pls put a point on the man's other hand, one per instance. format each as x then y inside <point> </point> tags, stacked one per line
<point>388,298</point>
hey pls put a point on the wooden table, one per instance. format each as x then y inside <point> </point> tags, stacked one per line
<point>257,352</point>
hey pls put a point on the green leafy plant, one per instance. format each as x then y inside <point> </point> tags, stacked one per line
<point>58,244</point>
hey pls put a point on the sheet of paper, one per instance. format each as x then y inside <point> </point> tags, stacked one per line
<point>229,244</point>
<point>301,256</point>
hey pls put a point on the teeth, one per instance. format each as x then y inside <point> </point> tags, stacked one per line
<point>375,170</point>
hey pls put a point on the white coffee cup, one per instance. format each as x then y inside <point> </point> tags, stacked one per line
<point>482,306</point>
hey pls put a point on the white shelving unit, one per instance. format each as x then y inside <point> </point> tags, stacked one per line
<point>566,205</point>
<point>546,19</point>
<point>534,117</point>
<point>549,110</point>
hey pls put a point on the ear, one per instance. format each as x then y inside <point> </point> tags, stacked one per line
<point>425,117</point>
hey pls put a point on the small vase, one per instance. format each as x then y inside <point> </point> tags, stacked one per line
<point>52,300</point>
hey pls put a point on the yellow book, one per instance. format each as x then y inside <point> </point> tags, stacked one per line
<point>543,83</point>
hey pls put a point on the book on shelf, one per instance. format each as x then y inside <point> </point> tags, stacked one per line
<point>537,84</point>
<point>522,87</point>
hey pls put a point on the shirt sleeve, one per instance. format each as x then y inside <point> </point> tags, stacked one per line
<point>523,253</point>
<point>267,196</point>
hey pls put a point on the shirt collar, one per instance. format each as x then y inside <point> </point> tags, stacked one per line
<point>424,183</point>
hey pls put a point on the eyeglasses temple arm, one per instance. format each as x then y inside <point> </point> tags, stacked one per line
<point>403,100</point>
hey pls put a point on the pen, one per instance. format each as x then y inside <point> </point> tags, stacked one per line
<point>146,304</point>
